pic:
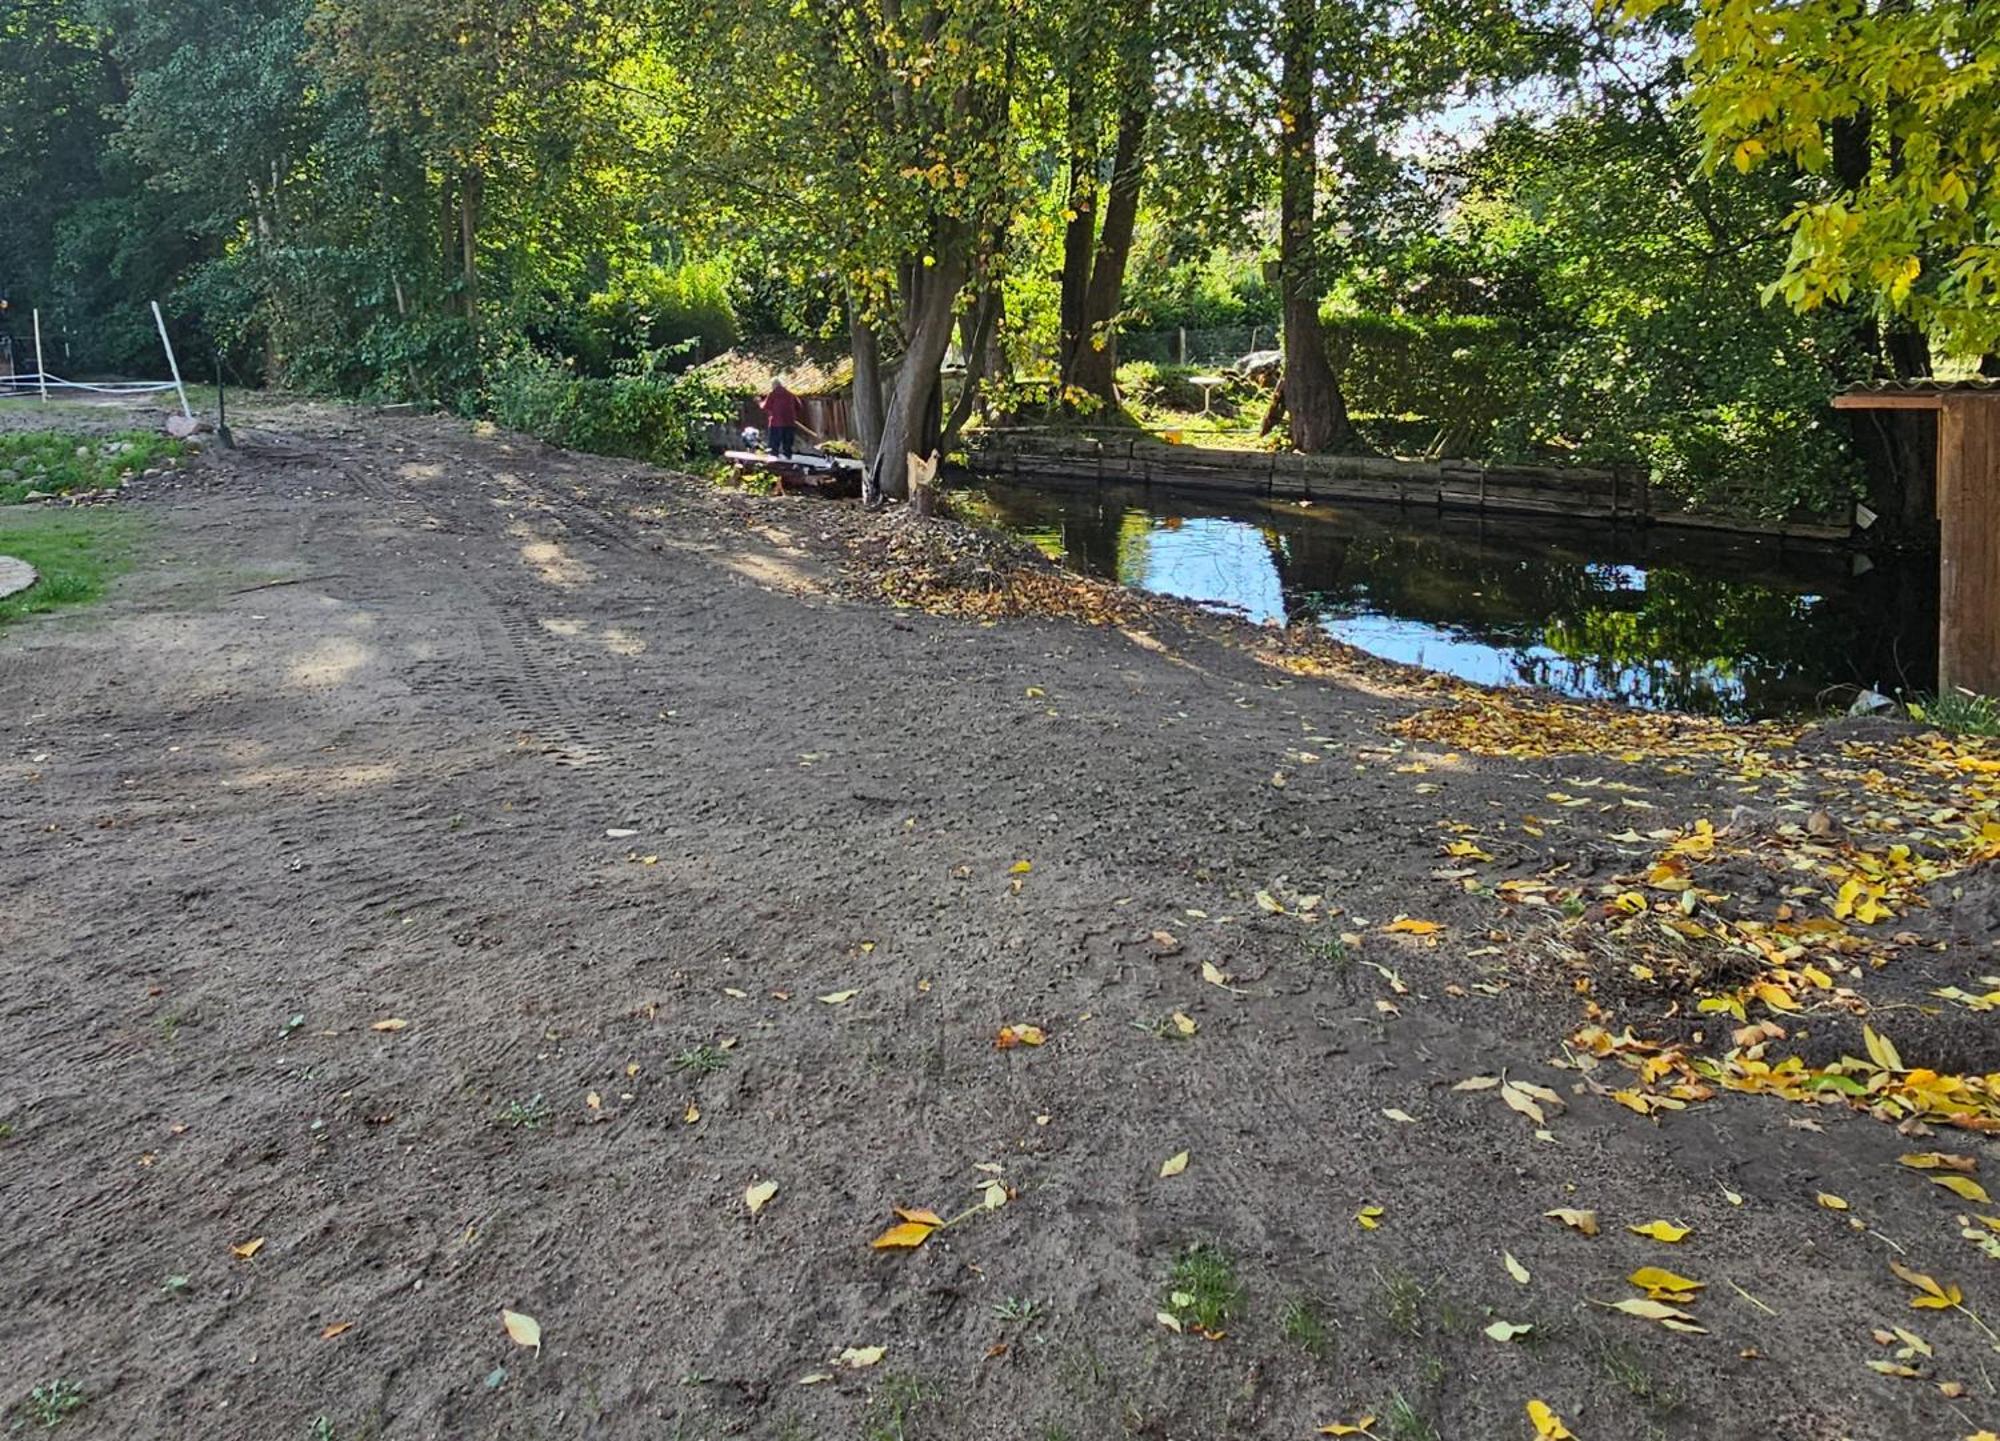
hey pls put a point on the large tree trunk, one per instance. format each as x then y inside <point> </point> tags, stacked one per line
<point>471,192</point>
<point>1080,231</point>
<point>1094,362</point>
<point>910,420</point>
<point>867,382</point>
<point>1312,394</point>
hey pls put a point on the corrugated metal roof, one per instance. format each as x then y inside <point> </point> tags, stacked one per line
<point>1925,386</point>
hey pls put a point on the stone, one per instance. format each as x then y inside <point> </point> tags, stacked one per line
<point>15,576</point>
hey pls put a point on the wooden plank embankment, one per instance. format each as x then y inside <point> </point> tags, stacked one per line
<point>1579,493</point>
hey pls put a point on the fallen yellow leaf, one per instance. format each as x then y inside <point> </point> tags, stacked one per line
<point>1514,1268</point>
<point>1939,1161</point>
<point>1548,1425</point>
<point>246,1249</point>
<point>1652,1278</point>
<point>1662,1231</point>
<point>1934,1297</point>
<point>1174,1164</point>
<point>862,1356</point>
<point>1214,974</point>
<point>1584,1221</point>
<point>839,998</point>
<point>758,1196</point>
<point>1020,868</point>
<point>393,1023</point>
<point>1831,1202</point>
<point>327,1333</point>
<point>1359,1427</point>
<point>525,1330</point>
<point>1965,1188</point>
<point>1370,1217</point>
<point>906,1234</point>
<point>1405,926</point>
<point>1184,1024</point>
<point>1012,1036</point>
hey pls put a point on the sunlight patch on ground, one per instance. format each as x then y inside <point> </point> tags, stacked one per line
<point>328,663</point>
<point>551,564</point>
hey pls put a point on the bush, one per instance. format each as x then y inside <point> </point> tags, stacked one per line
<point>649,309</point>
<point>1460,373</point>
<point>644,413</point>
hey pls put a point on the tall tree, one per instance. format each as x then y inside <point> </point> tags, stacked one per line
<point>1894,109</point>
<point>1112,70</point>
<point>878,144</point>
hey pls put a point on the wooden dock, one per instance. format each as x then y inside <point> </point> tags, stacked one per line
<point>1619,494</point>
<point>831,477</point>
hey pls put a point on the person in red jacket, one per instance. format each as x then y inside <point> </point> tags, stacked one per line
<point>781,418</point>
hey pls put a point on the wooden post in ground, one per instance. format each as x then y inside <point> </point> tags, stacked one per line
<point>1968,508</point>
<point>1968,479</point>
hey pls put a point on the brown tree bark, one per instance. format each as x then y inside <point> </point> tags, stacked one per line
<point>471,192</point>
<point>1093,363</point>
<point>867,381</point>
<point>1312,395</point>
<point>910,418</point>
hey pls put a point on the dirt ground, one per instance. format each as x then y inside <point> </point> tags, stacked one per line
<point>463,869</point>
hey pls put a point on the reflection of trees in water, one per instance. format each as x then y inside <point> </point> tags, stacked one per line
<point>1716,623</point>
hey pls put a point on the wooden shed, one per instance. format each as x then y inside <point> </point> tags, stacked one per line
<point>1968,510</point>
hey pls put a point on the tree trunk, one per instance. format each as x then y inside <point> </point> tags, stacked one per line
<point>1312,394</point>
<point>1094,363</point>
<point>911,416</point>
<point>1080,231</point>
<point>867,383</point>
<point>471,191</point>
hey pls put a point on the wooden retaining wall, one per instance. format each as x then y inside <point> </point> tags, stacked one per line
<point>1620,494</point>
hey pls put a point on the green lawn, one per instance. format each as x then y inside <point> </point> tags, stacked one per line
<point>56,463</point>
<point>78,552</point>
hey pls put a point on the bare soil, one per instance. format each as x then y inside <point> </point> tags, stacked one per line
<point>350,746</point>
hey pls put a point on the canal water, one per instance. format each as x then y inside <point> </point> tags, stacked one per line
<point>1658,618</point>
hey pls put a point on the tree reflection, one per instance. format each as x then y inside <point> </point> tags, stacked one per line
<point>1658,618</point>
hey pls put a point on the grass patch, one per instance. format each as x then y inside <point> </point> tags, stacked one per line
<point>900,1411</point>
<point>1402,1421</point>
<point>1401,1303</point>
<point>1959,711</point>
<point>50,1403</point>
<point>528,1115</point>
<point>76,552</point>
<point>1202,1289</point>
<point>701,1060</point>
<point>55,462</point>
<point>1305,1327</point>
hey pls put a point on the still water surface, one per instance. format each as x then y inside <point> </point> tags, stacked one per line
<point>1658,618</point>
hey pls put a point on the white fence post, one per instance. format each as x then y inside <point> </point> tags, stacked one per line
<point>172,364</point>
<point>41,370</point>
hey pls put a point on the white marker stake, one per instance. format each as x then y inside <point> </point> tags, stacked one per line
<point>41,370</point>
<point>172,364</point>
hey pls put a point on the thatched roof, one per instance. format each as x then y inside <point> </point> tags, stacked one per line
<point>806,369</point>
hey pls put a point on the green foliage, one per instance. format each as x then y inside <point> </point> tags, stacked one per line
<point>656,307</point>
<point>645,413</point>
<point>1893,114</point>
<point>1459,374</point>
<point>56,463</point>
<point>1202,1289</point>
<point>54,1401</point>
<point>1959,711</point>
<point>1205,292</point>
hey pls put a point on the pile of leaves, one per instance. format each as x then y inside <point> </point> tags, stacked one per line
<point>1796,918</point>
